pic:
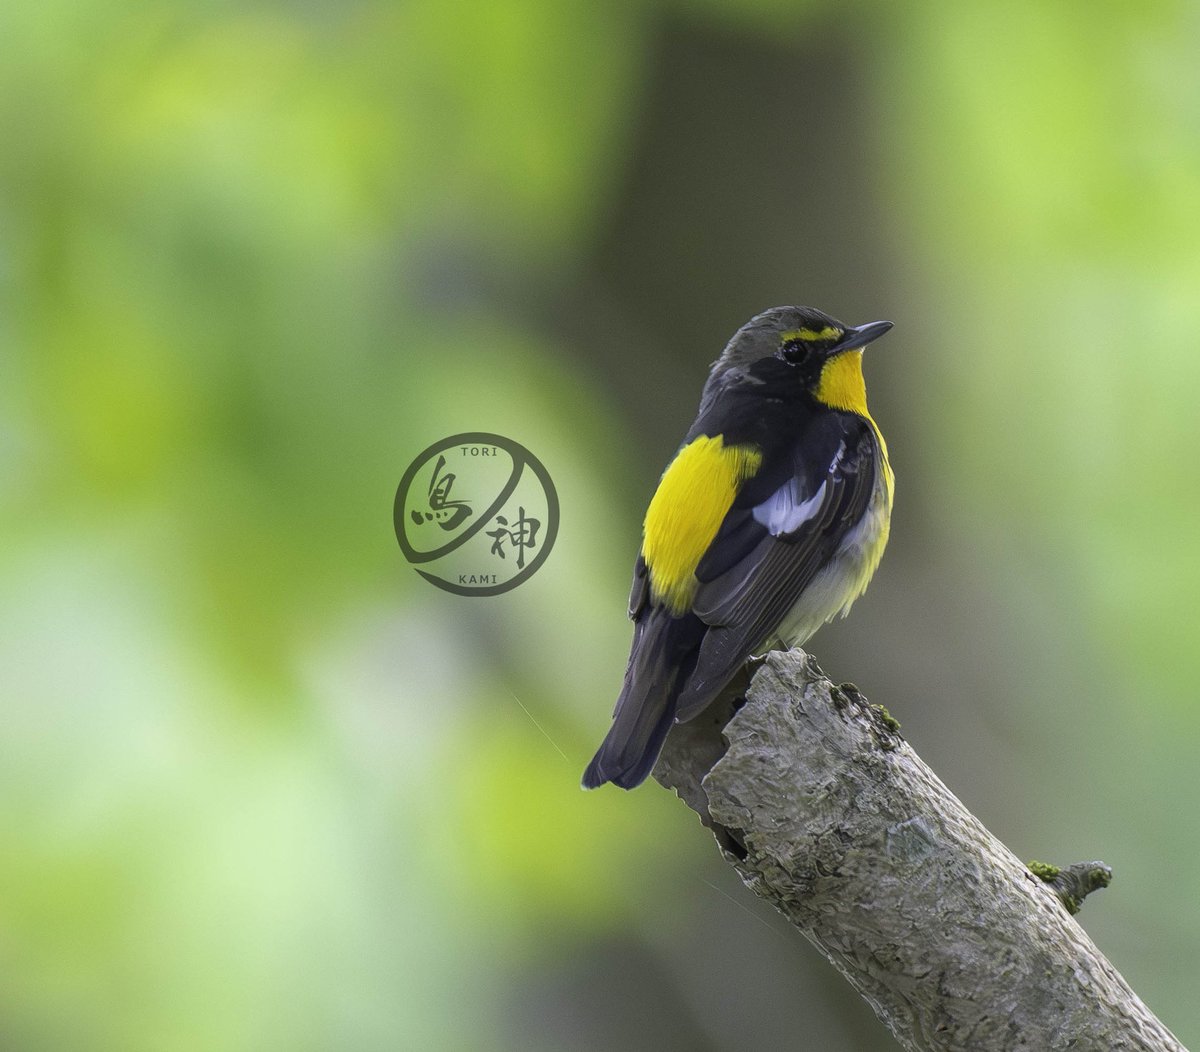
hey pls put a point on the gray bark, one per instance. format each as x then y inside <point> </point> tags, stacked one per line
<point>829,815</point>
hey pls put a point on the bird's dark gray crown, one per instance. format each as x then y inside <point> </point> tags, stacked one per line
<point>763,334</point>
<point>762,337</point>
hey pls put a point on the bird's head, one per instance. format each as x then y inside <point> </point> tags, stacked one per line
<point>798,349</point>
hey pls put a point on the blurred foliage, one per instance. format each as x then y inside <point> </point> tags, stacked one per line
<point>265,788</point>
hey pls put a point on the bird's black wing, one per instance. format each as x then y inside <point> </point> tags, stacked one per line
<point>639,590</point>
<point>784,526</point>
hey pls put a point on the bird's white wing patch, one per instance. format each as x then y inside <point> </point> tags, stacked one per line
<point>785,510</point>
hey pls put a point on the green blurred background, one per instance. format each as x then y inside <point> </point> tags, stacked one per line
<point>262,787</point>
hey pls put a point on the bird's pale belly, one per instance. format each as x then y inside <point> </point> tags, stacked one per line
<point>834,589</point>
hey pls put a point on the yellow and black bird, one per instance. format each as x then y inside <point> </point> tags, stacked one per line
<point>769,522</point>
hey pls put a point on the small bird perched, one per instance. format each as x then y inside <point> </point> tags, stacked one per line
<point>770,521</point>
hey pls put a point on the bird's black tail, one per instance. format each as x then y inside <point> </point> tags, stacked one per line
<point>664,651</point>
<point>631,747</point>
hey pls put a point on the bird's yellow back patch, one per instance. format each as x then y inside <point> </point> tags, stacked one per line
<point>842,385</point>
<point>693,497</point>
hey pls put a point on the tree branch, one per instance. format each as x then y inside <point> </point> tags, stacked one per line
<point>829,815</point>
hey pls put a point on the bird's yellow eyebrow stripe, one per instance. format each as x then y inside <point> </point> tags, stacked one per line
<point>811,335</point>
<point>692,499</point>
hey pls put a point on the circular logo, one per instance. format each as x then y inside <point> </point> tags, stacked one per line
<point>476,514</point>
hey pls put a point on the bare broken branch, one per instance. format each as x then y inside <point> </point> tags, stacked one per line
<point>827,813</point>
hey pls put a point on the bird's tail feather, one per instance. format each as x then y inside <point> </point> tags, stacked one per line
<point>662,654</point>
<point>631,747</point>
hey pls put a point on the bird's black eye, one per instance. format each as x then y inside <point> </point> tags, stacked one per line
<point>795,351</point>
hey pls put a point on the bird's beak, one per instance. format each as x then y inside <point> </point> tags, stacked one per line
<point>860,336</point>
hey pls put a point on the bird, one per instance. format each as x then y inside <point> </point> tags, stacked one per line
<point>769,521</point>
